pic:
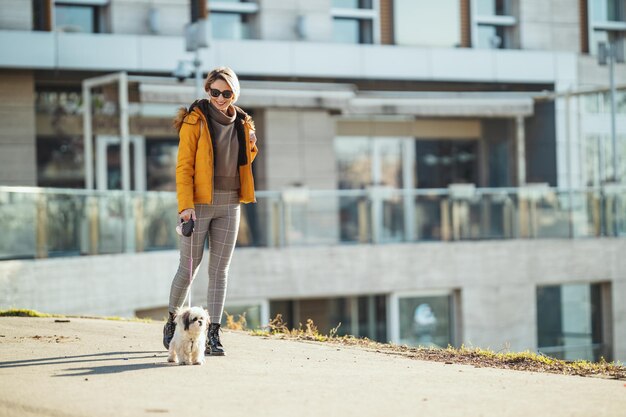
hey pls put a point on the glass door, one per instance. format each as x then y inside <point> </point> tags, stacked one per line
<point>109,163</point>
<point>388,177</point>
<point>116,232</point>
<point>382,166</point>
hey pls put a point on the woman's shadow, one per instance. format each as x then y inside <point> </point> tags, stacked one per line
<point>131,365</point>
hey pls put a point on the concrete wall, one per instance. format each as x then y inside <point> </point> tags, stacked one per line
<point>549,25</point>
<point>18,165</point>
<point>295,20</point>
<point>497,280</point>
<point>16,15</point>
<point>299,149</point>
<point>593,75</point>
<point>133,16</point>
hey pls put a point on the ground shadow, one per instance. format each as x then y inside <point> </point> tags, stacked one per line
<point>112,369</point>
<point>93,357</point>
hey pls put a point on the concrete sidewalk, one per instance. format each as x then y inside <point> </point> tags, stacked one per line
<point>91,367</point>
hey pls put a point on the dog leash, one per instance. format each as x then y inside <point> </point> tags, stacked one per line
<point>181,229</point>
<point>190,267</point>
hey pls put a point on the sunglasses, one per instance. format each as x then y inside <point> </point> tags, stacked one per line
<point>216,93</point>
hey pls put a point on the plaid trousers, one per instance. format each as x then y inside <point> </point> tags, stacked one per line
<point>219,222</point>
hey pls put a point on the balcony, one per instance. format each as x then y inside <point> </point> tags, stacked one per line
<point>49,222</point>
<point>158,54</point>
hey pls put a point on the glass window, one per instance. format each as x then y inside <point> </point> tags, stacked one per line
<point>608,10</point>
<point>428,23</point>
<point>353,21</point>
<point>354,167</point>
<point>601,102</point>
<point>161,164</point>
<point>60,154</point>
<point>354,162</point>
<point>494,23</point>
<point>490,37</point>
<point>426,321</point>
<point>60,161</point>
<point>608,22</point>
<point>599,159</point>
<point>373,317</point>
<point>352,4</point>
<point>232,19</point>
<point>440,163</point>
<point>492,7</point>
<point>328,313</point>
<point>569,322</point>
<point>76,18</point>
<point>363,162</point>
<point>346,30</point>
<point>388,169</point>
<point>230,26</point>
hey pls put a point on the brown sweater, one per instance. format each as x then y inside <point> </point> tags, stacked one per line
<point>227,148</point>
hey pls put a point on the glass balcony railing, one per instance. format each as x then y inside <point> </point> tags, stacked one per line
<point>48,222</point>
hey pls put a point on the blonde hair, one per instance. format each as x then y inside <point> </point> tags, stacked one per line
<point>226,74</point>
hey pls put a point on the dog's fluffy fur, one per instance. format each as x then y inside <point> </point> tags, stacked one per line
<point>188,344</point>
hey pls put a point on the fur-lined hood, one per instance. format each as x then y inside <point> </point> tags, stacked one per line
<point>200,107</point>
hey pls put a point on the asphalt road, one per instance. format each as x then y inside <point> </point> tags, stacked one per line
<point>90,367</point>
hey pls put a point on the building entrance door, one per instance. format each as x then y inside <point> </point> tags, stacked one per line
<point>117,233</point>
<point>109,166</point>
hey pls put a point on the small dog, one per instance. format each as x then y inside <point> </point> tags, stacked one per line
<point>188,344</point>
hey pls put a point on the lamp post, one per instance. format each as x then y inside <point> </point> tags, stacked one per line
<point>610,53</point>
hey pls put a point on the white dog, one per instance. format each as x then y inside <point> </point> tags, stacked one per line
<point>188,344</point>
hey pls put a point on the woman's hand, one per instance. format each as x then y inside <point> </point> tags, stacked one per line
<point>252,138</point>
<point>187,213</point>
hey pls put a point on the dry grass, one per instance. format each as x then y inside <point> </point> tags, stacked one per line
<point>477,357</point>
<point>22,312</point>
<point>524,361</point>
<point>235,324</point>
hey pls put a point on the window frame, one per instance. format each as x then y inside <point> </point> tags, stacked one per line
<point>601,312</point>
<point>98,7</point>
<point>361,15</point>
<point>507,22</point>
<point>454,314</point>
<point>613,28</point>
<point>243,9</point>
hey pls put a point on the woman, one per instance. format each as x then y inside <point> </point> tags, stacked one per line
<point>213,176</point>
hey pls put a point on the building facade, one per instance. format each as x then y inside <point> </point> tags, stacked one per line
<point>430,173</point>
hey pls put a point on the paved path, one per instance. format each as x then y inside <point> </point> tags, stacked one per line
<point>93,367</point>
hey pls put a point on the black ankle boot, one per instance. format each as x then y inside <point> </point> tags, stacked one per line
<point>213,345</point>
<point>168,331</point>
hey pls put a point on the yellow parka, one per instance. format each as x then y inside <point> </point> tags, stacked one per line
<point>195,166</point>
